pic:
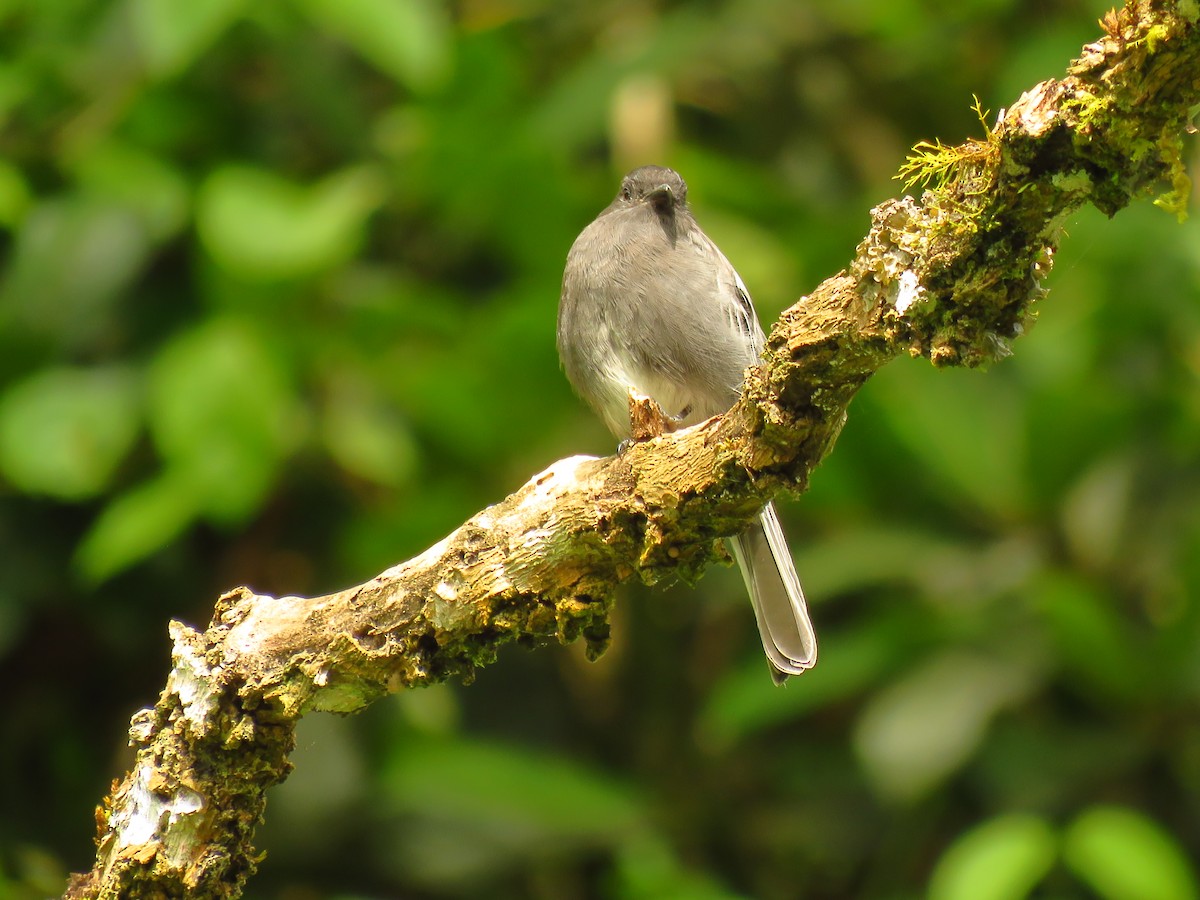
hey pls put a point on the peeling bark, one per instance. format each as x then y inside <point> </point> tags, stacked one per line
<point>954,277</point>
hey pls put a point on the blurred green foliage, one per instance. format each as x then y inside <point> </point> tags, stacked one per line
<point>277,307</point>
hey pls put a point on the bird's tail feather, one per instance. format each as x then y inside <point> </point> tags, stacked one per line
<point>766,563</point>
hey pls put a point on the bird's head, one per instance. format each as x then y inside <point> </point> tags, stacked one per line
<point>656,186</point>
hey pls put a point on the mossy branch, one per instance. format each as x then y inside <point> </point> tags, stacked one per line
<point>954,277</point>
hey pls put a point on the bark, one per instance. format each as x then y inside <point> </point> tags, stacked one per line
<point>955,276</point>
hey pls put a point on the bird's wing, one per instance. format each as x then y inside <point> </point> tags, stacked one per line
<point>743,317</point>
<point>734,296</point>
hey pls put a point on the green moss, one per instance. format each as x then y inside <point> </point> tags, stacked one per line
<point>1077,183</point>
<point>1174,201</point>
<point>1155,35</point>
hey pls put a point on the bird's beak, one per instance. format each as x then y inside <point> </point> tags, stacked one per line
<point>662,196</point>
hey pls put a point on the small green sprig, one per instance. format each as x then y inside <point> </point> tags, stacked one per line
<point>938,166</point>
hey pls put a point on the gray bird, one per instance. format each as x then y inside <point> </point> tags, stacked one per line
<point>650,304</point>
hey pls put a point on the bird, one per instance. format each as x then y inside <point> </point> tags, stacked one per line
<point>650,304</point>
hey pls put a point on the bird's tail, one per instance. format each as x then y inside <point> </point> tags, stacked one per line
<point>766,563</point>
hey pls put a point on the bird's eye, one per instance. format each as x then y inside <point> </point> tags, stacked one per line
<point>626,194</point>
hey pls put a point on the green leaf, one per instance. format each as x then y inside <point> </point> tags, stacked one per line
<point>967,430</point>
<point>411,40</point>
<point>14,194</point>
<point>73,258</point>
<point>1001,859</point>
<point>511,787</point>
<point>482,807</point>
<point>261,226</point>
<point>745,701</point>
<point>128,176</point>
<point>172,34</point>
<point>135,525</point>
<point>647,869</point>
<point>921,729</point>
<point>873,554</point>
<point>63,432</point>
<point>1125,855</point>
<point>222,414</point>
<point>365,436</point>
<point>1092,639</point>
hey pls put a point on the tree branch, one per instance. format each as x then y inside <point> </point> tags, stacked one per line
<point>954,277</point>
